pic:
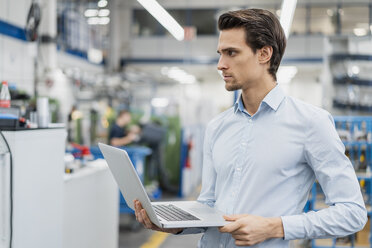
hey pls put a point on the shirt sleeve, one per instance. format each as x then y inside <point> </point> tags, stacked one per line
<point>207,193</point>
<point>346,214</point>
<point>208,182</point>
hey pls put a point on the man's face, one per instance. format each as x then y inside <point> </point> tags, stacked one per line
<point>239,65</point>
<point>124,119</point>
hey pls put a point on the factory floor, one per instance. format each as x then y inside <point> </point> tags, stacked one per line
<point>132,235</point>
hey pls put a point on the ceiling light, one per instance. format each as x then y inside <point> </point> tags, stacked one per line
<point>329,12</point>
<point>179,75</point>
<point>159,102</point>
<point>104,12</point>
<point>95,56</point>
<point>91,13</point>
<point>286,15</point>
<point>104,20</point>
<point>102,3</point>
<point>165,19</point>
<point>360,31</point>
<point>164,70</point>
<point>355,70</point>
<point>93,20</point>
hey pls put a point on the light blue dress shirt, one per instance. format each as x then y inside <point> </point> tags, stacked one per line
<point>266,164</point>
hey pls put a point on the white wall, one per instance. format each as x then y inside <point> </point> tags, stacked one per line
<point>16,56</point>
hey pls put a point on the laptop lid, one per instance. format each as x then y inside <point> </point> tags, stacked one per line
<point>127,179</point>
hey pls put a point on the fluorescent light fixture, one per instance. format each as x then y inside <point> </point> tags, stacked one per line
<point>95,56</point>
<point>159,102</point>
<point>178,75</point>
<point>102,3</point>
<point>98,20</point>
<point>355,69</point>
<point>360,31</point>
<point>165,19</point>
<point>104,20</point>
<point>286,15</point>
<point>91,13</point>
<point>330,12</point>
<point>104,12</point>
<point>93,20</point>
<point>286,73</point>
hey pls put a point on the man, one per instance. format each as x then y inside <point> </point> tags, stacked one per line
<point>261,156</point>
<point>118,135</point>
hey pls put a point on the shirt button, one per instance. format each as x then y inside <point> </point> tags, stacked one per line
<point>250,120</point>
<point>238,169</point>
<point>221,245</point>
<point>244,144</point>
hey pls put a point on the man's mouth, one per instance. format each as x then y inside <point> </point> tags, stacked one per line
<point>227,77</point>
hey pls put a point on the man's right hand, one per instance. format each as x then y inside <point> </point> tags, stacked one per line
<point>143,218</point>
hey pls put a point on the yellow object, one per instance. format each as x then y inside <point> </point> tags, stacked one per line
<point>362,158</point>
<point>155,240</point>
<point>362,183</point>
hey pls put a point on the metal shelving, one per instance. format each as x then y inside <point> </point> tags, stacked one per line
<point>355,132</point>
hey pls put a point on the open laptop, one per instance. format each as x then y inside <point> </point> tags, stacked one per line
<point>174,214</point>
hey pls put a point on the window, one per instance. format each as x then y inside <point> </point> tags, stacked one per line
<point>355,20</point>
<point>299,21</point>
<point>323,20</point>
<point>145,24</point>
<point>204,20</point>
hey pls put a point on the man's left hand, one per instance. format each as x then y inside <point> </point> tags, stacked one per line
<point>249,230</point>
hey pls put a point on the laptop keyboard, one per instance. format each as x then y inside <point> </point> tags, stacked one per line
<point>173,213</point>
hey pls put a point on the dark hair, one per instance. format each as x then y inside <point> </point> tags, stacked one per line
<point>123,112</point>
<point>262,28</point>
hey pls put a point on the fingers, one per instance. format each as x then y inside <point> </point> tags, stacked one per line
<point>142,216</point>
<point>138,209</point>
<point>231,227</point>
<point>243,243</point>
<point>147,222</point>
<point>234,217</point>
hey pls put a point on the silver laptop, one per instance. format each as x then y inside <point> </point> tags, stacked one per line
<point>174,214</point>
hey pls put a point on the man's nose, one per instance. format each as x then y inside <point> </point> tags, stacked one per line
<point>221,64</point>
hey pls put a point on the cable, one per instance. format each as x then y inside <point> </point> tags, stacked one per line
<point>11,191</point>
<point>33,21</point>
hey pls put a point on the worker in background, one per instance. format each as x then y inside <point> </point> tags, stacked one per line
<point>261,156</point>
<point>119,136</point>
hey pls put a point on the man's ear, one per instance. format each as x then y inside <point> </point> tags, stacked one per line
<point>264,54</point>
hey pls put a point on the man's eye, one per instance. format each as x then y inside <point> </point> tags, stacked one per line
<point>231,53</point>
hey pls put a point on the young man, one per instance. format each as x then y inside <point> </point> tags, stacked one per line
<point>118,135</point>
<point>261,157</point>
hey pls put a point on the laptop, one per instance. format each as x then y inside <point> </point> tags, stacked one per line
<point>171,214</point>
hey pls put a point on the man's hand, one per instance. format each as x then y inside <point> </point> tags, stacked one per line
<point>143,218</point>
<point>249,230</point>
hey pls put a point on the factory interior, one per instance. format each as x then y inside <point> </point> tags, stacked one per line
<point>144,76</point>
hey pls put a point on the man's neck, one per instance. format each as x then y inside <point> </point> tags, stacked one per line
<point>253,95</point>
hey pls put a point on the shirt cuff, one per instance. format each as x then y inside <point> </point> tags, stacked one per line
<point>293,227</point>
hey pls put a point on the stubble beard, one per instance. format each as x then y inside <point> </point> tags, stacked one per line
<point>232,86</point>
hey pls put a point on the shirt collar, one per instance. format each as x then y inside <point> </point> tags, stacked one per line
<point>239,104</point>
<point>272,99</point>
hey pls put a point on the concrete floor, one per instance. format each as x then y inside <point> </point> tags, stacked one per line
<point>132,235</point>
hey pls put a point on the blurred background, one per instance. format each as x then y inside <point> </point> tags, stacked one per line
<point>78,72</point>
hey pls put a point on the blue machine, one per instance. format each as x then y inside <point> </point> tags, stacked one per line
<point>137,155</point>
